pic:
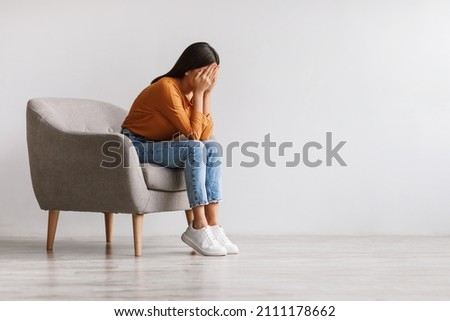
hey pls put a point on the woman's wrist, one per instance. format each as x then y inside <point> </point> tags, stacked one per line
<point>198,100</point>
<point>199,92</point>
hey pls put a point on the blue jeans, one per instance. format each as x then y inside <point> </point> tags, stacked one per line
<point>201,161</point>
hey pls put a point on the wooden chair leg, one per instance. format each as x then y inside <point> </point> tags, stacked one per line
<point>108,226</point>
<point>138,223</point>
<point>53,216</point>
<point>189,216</point>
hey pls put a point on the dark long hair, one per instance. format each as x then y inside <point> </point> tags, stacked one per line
<point>197,55</point>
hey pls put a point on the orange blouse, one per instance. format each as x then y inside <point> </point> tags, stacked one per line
<point>161,112</point>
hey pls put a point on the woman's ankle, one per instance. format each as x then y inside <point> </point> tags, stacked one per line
<point>199,224</point>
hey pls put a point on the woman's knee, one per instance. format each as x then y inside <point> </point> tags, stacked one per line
<point>196,147</point>
<point>214,153</point>
<point>209,151</point>
<point>196,152</point>
<point>213,146</point>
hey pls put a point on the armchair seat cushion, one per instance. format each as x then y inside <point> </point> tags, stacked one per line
<point>163,179</point>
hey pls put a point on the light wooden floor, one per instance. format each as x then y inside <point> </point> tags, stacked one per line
<point>268,268</point>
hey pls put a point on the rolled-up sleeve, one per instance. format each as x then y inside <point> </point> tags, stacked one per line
<point>208,128</point>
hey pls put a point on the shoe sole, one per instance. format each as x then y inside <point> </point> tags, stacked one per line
<point>192,244</point>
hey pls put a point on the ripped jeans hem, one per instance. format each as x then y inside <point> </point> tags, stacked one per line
<point>207,203</point>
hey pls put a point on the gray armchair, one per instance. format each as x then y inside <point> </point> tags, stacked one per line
<point>79,161</point>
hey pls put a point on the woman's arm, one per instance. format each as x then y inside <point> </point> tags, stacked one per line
<point>204,82</point>
<point>207,103</point>
<point>207,94</point>
<point>170,104</point>
<point>202,99</point>
<point>207,131</point>
<point>199,125</point>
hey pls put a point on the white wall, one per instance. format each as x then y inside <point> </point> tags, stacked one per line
<point>375,73</point>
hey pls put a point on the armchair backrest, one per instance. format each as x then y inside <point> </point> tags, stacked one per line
<point>79,115</point>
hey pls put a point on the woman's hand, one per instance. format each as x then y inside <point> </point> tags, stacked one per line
<point>205,79</point>
<point>214,79</point>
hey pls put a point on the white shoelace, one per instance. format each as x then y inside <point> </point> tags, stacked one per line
<point>223,235</point>
<point>210,236</point>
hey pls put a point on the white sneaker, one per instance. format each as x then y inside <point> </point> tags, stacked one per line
<point>203,241</point>
<point>223,240</point>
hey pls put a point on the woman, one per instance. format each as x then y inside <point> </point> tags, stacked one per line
<point>178,103</point>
